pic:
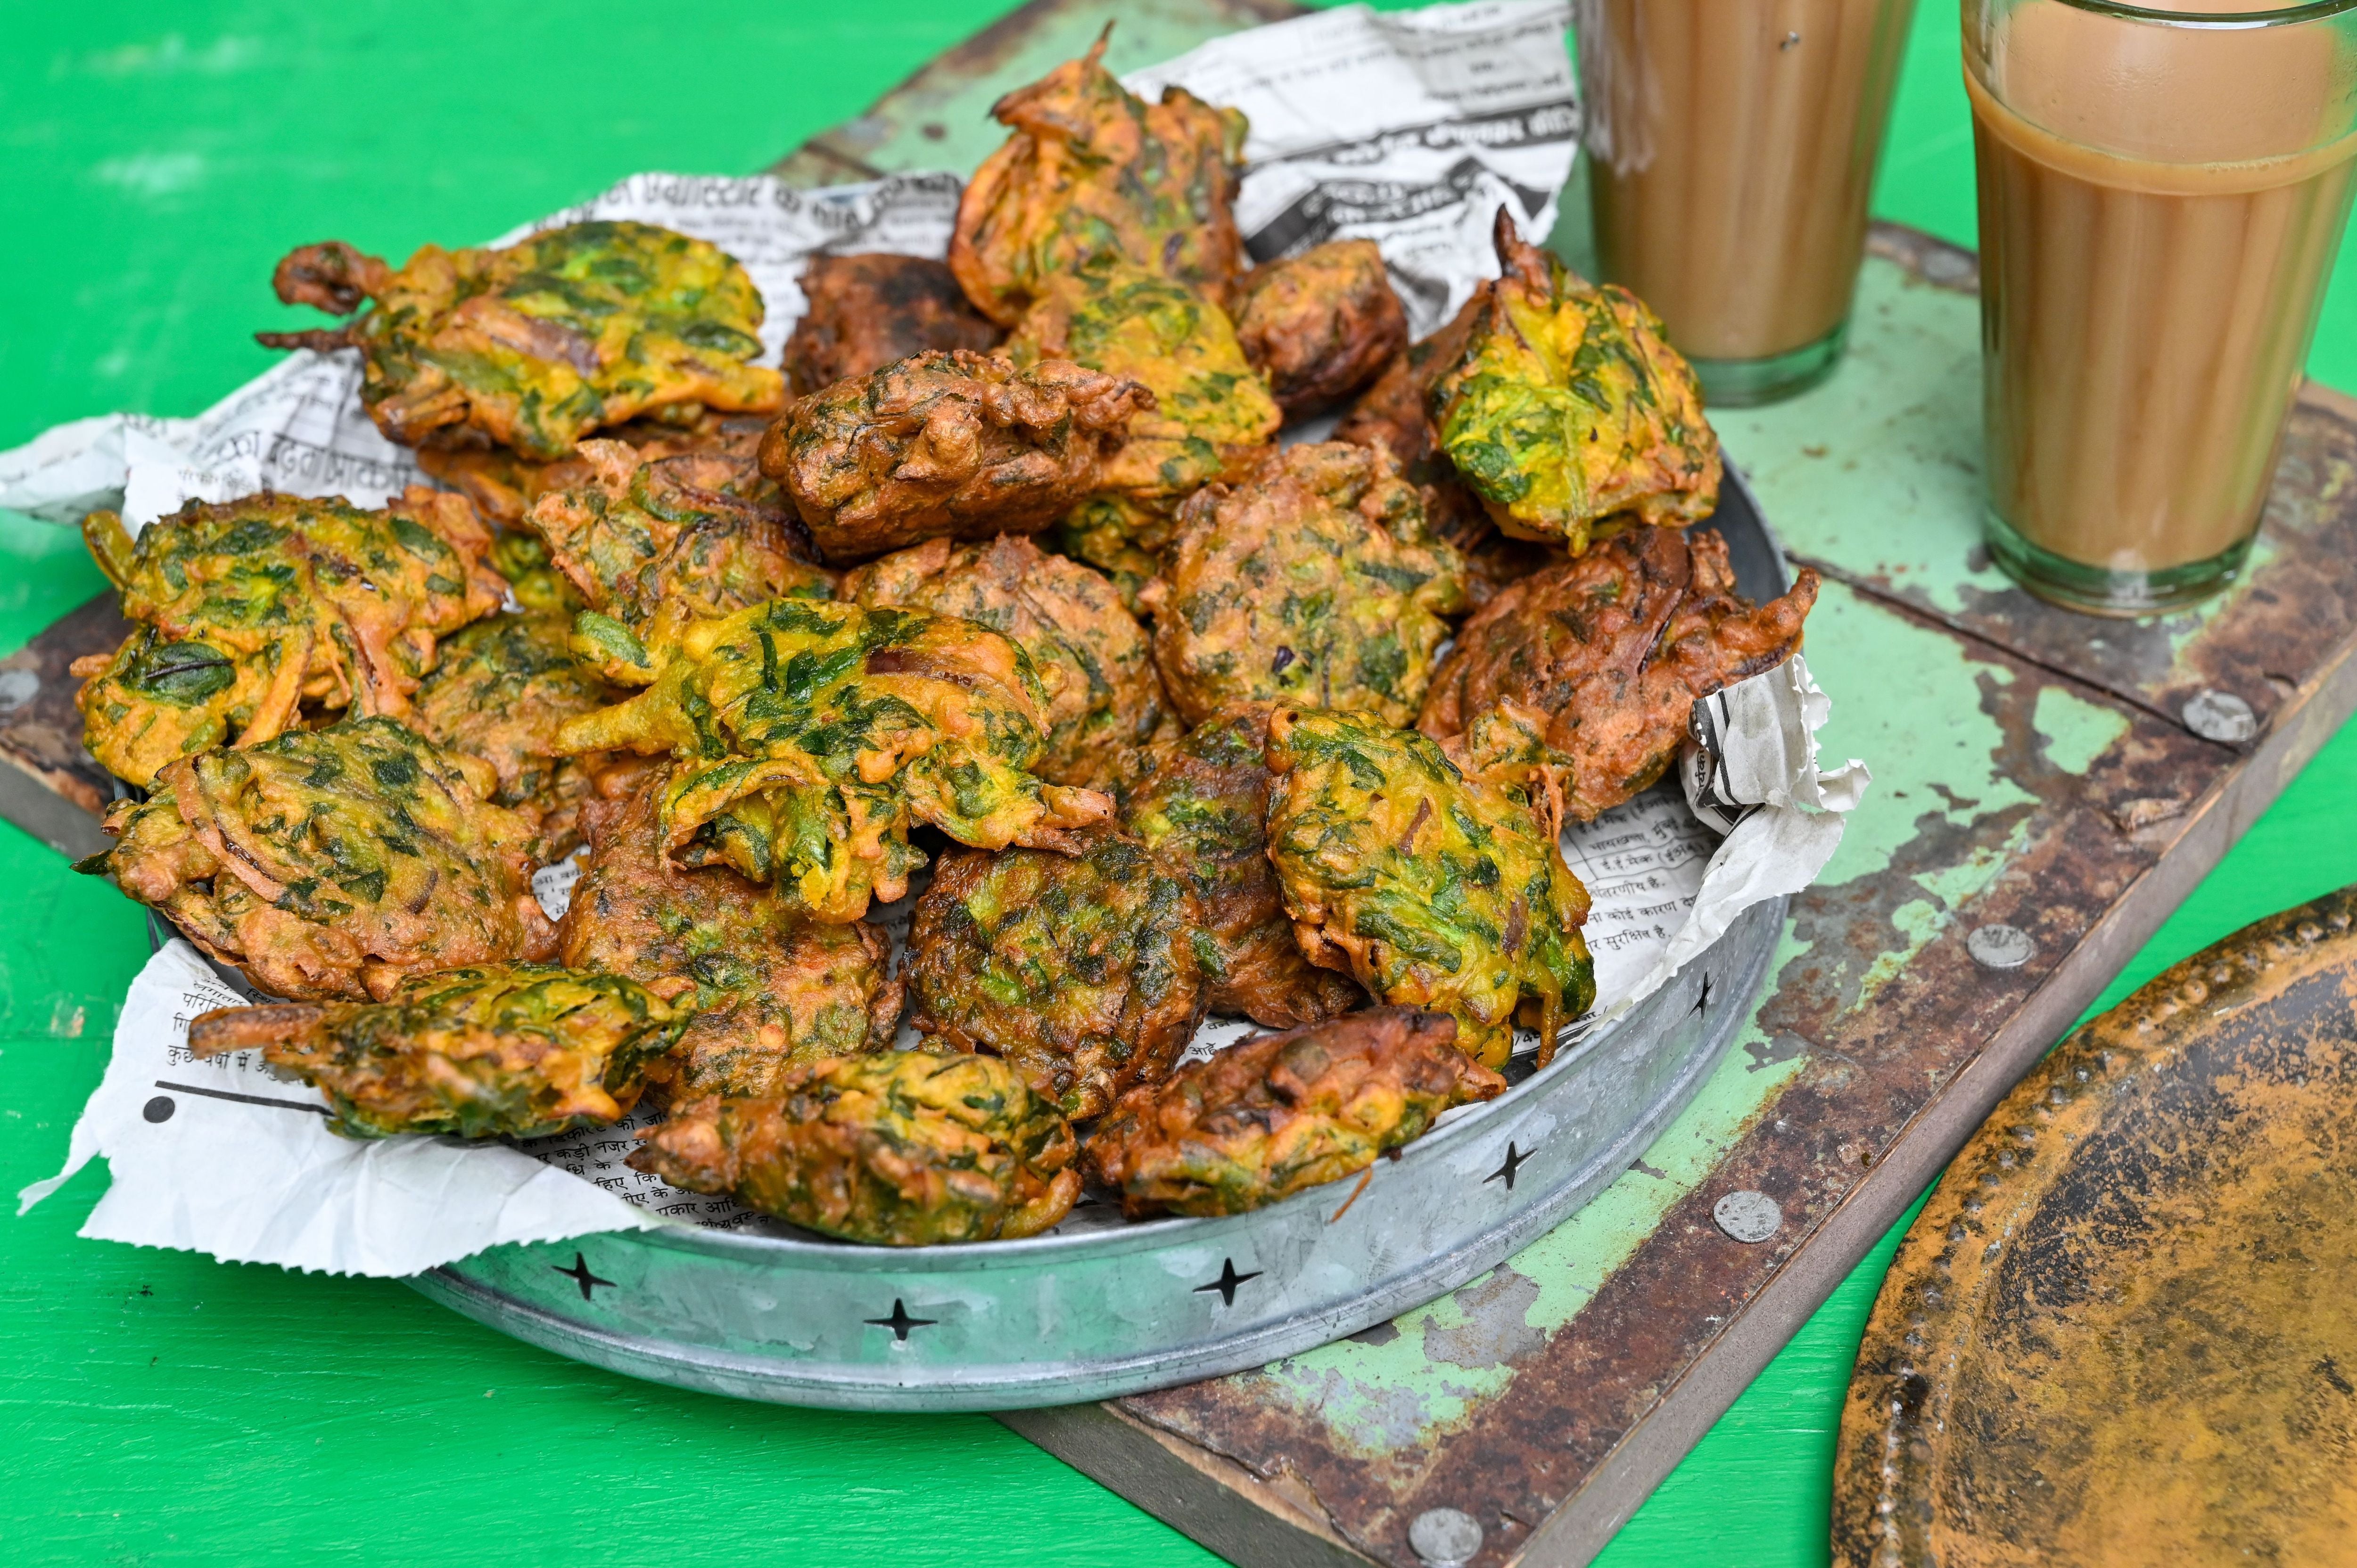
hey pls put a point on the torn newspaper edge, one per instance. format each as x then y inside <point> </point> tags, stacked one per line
<point>1409,128</point>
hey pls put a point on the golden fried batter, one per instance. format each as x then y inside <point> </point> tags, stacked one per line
<point>248,609</point>
<point>534,581</point>
<point>504,486</point>
<point>534,345</point>
<point>1266,1118</point>
<point>1198,802</point>
<point>865,311</point>
<point>813,733</point>
<point>511,1050</point>
<point>894,1148</point>
<point>1569,405</point>
<point>1092,655</point>
<point>1094,174</point>
<point>1435,880</point>
<point>951,446</point>
<point>501,690</point>
<point>1320,325</point>
<point>1083,970</point>
<point>331,864</point>
<point>1614,648</point>
<point>770,991</point>
<point>1314,582</point>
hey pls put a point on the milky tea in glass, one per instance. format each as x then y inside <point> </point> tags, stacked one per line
<point>2162,192</point>
<point>1731,148</point>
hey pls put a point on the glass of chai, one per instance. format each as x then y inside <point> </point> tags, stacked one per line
<point>2162,190</point>
<point>1731,147</point>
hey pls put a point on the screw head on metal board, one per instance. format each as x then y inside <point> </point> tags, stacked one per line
<point>1747,1215</point>
<point>2220,717</point>
<point>1445,1537</point>
<point>2001,946</point>
<point>18,687</point>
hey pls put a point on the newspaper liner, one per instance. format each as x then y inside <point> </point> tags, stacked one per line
<point>1409,128</point>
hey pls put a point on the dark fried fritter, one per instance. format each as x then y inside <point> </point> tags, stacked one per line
<point>865,311</point>
<point>1083,970</point>
<point>1095,174</point>
<point>247,609</point>
<point>813,733</point>
<point>502,689</point>
<point>1614,648</point>
<point>894,1148</point>
<point>511,1050</point>
<point>770,991</point>
<point>951,445</point>
<point>1313,582</point>
<point>534,345</point>
<point>1198,802</point>
<point>331,864</point>
<point>1266,1118</point>
<point>1211,412</point>
<point>1320,325</point>
<point>1435,880</point>
<point>1569,405</point>
<point>1092,655</point>
<point>504,486</point>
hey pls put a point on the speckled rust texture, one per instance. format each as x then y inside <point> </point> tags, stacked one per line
<point>2123,1330</point>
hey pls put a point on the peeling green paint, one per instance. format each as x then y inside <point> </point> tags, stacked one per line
<point>2075,731</point>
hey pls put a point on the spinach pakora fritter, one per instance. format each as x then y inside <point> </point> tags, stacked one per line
<point>893,1148</point>
<point>1198,803</point>
<point>1568,406</point>
<point>246,610</point>
<point>503,485</point>
<point>532,346</point>
<point>1094,174</point>
<point>1211,413</point>
<point>1435,880</point>
<point>769,990</point>
<point>331,864</point>
<point>1092,657</point>
<point>947,445</point>
<point>534,581</point>
<point>1313,582</point>
<point>1266,1118</point>
<point>1615,647</point>
<point>812,734</point>
<point>865,311</point>
<point>510,1051</point>
<point>1084,969</point>
<point>500,691</point>
<point>1320,325</point>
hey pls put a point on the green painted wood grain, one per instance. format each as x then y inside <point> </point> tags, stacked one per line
<point>160,1408</point>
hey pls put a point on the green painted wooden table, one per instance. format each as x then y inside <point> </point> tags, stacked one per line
<point>165,1408</point>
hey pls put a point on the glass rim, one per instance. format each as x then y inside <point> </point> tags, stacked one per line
<point>2217,21</point>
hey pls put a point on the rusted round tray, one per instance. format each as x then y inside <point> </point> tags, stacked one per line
<point>2124,1328</point>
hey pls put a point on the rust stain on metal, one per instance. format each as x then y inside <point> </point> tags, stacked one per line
<point>2124,1328</point>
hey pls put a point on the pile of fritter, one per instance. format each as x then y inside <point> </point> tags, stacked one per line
<point>1010,574</point>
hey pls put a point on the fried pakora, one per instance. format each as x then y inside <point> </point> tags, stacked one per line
<point>1198,803</point>
<point>1084,969</point>
<point>1320,325</point>
<point>1092,657</point>
<point>1615,647</point>
<point>532,346</point>
<point>1568,406</point>
<point>813,733</point>
<point>508,1051</point>
<point>331,864</point>
<point>503,486</point>
<point>1094,174</point>
<point>865,311</point>
<point>894,1148</point>
<point>534,581</point>
<point>248,609</point>
<point>1313,582</point>
<point>1435,880</point>
<point>500,691</point>
<point>948,446</point>
<point>1264,1120</point>
<point>1211,414</point>
<point>769,991</point>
